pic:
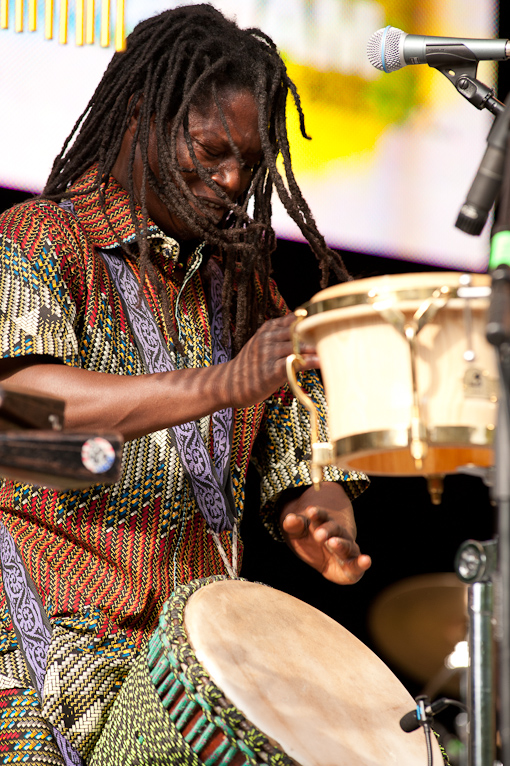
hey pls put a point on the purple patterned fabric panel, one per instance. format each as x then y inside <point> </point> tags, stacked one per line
<point>31,624</point>
<point>222,420</point>
<point>24,608</point>
<point>156,356</point>
<point>69,754</point>
<point>207,487</point>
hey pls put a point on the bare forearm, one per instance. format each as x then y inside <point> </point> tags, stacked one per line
<point>133,405</point>
<point>139,404</point>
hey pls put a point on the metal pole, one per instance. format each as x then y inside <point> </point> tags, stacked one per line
<point>476,565</point>
<point>481,697</point>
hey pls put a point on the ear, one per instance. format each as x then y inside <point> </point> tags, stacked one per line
<point>133,120</point>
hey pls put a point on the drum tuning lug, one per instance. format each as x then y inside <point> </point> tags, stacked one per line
<point>316,476</point>
<point>435,485</point>
<point>322,454</point>
<point>55,422</point>
<point>418,446</point>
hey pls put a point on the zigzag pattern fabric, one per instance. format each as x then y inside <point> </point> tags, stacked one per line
<point>25,738</point>
<point>105,559</point>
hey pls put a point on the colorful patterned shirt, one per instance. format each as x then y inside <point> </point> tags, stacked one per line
<point>106,558</point>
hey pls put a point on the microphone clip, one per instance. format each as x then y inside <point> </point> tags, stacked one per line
<point>463,76</point>
<point>424,712</point>
<point>420,716</point>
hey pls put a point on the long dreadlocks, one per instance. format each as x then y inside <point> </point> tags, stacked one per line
<point>173,61</point>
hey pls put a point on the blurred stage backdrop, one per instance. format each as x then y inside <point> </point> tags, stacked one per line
<point>388,167</point>
<point>391,155</point>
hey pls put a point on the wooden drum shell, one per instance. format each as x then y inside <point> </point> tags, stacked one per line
<point>366,368</point>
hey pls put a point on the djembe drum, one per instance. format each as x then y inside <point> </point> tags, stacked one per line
<point>239,673</point>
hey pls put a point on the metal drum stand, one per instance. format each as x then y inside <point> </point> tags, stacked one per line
<point>475,564</point>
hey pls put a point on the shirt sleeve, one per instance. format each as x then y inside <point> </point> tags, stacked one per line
<point>282,450</point>
<point>37,312</point>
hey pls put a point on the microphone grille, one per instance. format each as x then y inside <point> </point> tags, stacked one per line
<point>383,49</point>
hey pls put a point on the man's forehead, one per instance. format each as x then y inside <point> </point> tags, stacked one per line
<point>224,98</point>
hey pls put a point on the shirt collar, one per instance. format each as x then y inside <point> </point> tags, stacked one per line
<point>105,231</point>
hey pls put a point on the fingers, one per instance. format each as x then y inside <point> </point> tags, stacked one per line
<point>347,564</point>
<point>347,572</point>
<point>318,524</point>
<point>260,367</point>
<point>296,525</point>
<point>341,560</point>
<point>279,330</point>
<point>346,556</point>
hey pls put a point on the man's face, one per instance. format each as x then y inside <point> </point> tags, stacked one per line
<point>214,151</point>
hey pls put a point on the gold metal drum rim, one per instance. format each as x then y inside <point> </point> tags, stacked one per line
<point>370,297</point>
<point>399,438</point>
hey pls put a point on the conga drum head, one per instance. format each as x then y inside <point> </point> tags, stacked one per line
<point>252,675</point>
<point>359,329</point>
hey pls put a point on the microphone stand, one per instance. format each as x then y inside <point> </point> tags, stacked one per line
<point>498,333</point>
<point>475,564</point>
<point>478,563</point>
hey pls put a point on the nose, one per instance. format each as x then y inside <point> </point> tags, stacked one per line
<point>233,177</point>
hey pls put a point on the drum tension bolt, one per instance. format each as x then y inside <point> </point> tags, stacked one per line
<point>435,486</point>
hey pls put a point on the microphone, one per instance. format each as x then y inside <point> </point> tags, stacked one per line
<point>487,181</point>
<point>410,721</point>
<point>390,49</point>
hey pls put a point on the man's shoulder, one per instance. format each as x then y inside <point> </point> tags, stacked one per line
<point>37,224</point>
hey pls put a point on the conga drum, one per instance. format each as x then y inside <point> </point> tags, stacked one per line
<point>239,673</point>
<point>410,379</point>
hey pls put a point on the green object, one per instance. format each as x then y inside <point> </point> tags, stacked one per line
<point>500,250</point>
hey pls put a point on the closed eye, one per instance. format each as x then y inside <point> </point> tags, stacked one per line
<point>208,151</point>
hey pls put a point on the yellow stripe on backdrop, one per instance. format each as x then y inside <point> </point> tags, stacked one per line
<point>89,25</point>
<point>84,20</point>
<point>105,23</point>
<point>32,15</point>
<point>18,16</point>
<point>120,37</point>
<point>48,19</point>
<point>4,14</point>
<point>62,27</point>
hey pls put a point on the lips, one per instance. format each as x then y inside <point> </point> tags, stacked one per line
<point>212,207</point>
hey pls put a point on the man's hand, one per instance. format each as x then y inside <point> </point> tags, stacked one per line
<point>319,527</point>
<point>260,367</point>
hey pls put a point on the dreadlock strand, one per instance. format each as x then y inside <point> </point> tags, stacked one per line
<point>188,58</point>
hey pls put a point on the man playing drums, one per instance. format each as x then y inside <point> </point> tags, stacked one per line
<point>137,288</point>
